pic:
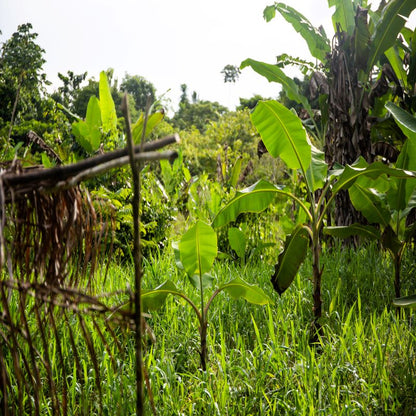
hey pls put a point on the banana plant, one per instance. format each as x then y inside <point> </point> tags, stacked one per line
<point>387,203</point>
<point>101,120</point>
<point>285,136</point>
<point>364,41</point>
<point>197,251</point>
<point>343,115</point>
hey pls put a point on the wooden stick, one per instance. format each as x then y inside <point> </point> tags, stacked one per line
<point>116,163</point>
<point>62,173</point>
<point>136,255</point>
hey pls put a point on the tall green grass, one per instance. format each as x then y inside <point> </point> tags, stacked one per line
<point>260,360</point>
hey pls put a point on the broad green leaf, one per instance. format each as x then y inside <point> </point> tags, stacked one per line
<point>206,279</point>
<point>88,133</point>
<point>46,162</point>
<point>238,288</point>
<point>317,42</point>
<point>317,171</point>
<point>153,299</point>
<point>177,254</point>
<point>166,171</point>
<point>93,116</point>
<point>396,63</point>
<point>269,13</point>
<point>237,241</point>
<point>275,74</point>
<point>405,120</point>
<point>235,173</point>
<point>255,198</point>
<point>408,36</point>
<point>152,121</point>
<point>381,184</point>
<point>388,28</point>
<point>399,197</point>
<point>108,109</point>
<point>370,203</point>
<point>198,249</point>
<point>350,174</point>
<point>405,301</point>
<point>367,231</point>
<point>81,132</point>
<point>290,259</point>
<point>343,15</point>
<point>93,121</point>
<point>283,134</point>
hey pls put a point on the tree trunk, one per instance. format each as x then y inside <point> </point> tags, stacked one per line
<point>397,263</point>
<point>204,352</point>
<point>317,299</point>
<point>348,135</point>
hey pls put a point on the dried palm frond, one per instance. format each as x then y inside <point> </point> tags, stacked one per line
<point>53,236</point>
<point>52,243</point>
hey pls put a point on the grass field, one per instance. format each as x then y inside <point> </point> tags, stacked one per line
<point>260,359</point>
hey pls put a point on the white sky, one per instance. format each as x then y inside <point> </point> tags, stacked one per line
<point>169,42</point>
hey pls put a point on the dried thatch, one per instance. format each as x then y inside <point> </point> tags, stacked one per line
<point>52,237</point>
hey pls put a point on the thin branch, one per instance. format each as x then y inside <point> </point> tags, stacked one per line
<point>35,138</point>
<point>112,164</point>
<point>62,173</point>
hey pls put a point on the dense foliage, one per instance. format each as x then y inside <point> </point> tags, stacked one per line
<point>298,160</point>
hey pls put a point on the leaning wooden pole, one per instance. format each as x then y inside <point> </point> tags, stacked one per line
<point>137,262</point>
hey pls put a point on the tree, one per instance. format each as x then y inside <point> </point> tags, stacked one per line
<point>362,44</point>
<point>284,136</point>
<point>71,84</point>
<point>349,82</point>
<point>198,113</point>
<point>231,73</point>
<point>140,89</point>
<point>250,103</point>
<point>21,71</point>
<point>82,97</point>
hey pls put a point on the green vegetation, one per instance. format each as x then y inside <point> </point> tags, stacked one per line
<point>314,325</point>
<point>283,135</point>
<point>197,252</point>
<point>260,360</point>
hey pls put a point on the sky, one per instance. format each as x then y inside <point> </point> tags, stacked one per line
<point>168,42</point>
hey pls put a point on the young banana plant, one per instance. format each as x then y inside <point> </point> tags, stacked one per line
<point>197,251</point>
<point>387,203</point>
<point>284,136</point>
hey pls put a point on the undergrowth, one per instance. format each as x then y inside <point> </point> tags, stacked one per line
<point>260,359</point>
